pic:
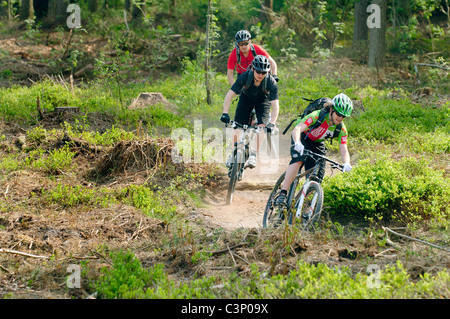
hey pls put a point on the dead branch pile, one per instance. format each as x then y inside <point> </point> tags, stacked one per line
<point>133,156</point>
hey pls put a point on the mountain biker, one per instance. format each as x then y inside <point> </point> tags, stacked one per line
<point>258,91</point>
<point>243,54</point>
<point>305,137</point>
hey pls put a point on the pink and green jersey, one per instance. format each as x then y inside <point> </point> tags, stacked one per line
<point>324,131</point>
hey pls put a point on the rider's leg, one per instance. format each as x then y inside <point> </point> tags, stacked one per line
<point>263,116</point>
<point>235,139</point>
<point>291,173</point>
<point>318,148</point>
<point>242,115</point>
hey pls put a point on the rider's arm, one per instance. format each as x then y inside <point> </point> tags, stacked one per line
<point>343,135</point>
<point>230,76</point>
<point>298,130</point>
<point>275,110</point>
<point>228,99</point>
<point>345,156</point>
<point>273,66</point>
<point>231,64</point>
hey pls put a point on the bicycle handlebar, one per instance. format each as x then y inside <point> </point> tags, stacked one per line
<point>235,124</point>
<point>334,164</point>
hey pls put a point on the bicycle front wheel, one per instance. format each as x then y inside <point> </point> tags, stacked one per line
<point>272,214</point>
<point>308,206</point>
<point>235,171</point>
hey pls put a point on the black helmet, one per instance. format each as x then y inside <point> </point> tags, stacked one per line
<point>242,35</point>
<point>261,63</point>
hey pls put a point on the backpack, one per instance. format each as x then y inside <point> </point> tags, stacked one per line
<point>314,105</point>
<point>249,80</point>
<point>238,56</point>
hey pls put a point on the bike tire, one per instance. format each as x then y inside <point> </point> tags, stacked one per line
<point>238,162</point>
<point>312,222</point>
<point>271,215</point>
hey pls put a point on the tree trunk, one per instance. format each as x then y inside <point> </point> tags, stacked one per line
<point>9,10</point>
<point>137,12</point>
<point>93,5</point>
<point>26,10</point>
<point>360,30</point>
<point>208,55</point>
<point>128,5</point>
<point>403,11</point>
<point>56,13</point>
<point>266,8</point>
<point>377,37</point>
<point>3,9</point>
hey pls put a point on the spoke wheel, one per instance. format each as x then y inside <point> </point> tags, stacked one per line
<point>273,215</point>
<point>311,208</point>
<point>235,171</point>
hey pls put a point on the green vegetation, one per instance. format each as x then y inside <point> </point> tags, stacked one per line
<point>127,279</point>
<point>407,190</point>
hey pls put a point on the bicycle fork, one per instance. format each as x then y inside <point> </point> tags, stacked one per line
<point>310,210</point>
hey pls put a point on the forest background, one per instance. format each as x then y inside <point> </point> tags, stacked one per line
<point>87,181</point>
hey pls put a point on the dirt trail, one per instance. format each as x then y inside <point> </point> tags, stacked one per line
<point>251,194</point>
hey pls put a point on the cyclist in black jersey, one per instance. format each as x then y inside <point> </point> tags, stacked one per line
<point>258,91</point>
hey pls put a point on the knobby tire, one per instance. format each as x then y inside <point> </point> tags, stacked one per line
<point>238,162</point>
<point>314,188</point>
<point>272,215</point>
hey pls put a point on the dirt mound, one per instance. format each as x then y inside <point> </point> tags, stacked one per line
<point>135,156</point>
<point>148,99</point>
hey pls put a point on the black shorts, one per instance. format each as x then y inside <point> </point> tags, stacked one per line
<point>244,111</point>
<point>316,147</point>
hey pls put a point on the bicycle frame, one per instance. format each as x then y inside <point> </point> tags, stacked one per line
<point>241,153</point>
<point>247,135</point>
<point>302,198</point>
<point>310,192</point>
<point>306,185</point>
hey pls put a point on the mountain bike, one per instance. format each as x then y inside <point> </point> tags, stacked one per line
<point>304,201</point>
<point>241,153</point>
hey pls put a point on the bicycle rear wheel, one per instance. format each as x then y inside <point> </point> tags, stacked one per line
<point>235,171</point>
<point>311,207</point>
<point>273,215</point>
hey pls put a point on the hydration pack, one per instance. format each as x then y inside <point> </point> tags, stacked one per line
<point>323,104</point>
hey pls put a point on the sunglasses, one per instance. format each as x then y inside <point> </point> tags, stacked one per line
<point>260,72</point>
<point>340,115</point>
<point>242,44</point>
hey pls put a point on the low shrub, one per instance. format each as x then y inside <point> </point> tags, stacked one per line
<point>128,279</point>
<point>407,189</point>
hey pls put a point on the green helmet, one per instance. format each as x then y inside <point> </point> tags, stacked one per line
<point>342,104</point>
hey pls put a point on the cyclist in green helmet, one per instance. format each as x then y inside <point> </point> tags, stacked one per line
<point>307,135</point>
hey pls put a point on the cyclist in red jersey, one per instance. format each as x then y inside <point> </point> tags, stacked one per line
<point>243,54</point>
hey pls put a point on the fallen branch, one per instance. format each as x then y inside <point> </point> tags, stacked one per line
<point>9,251</point>
<point>384,251</point>
<point>416,69</point>
<point>218,252</point>
<point>411,238</point>
<point>232,257</point>
<point>433,66</point>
